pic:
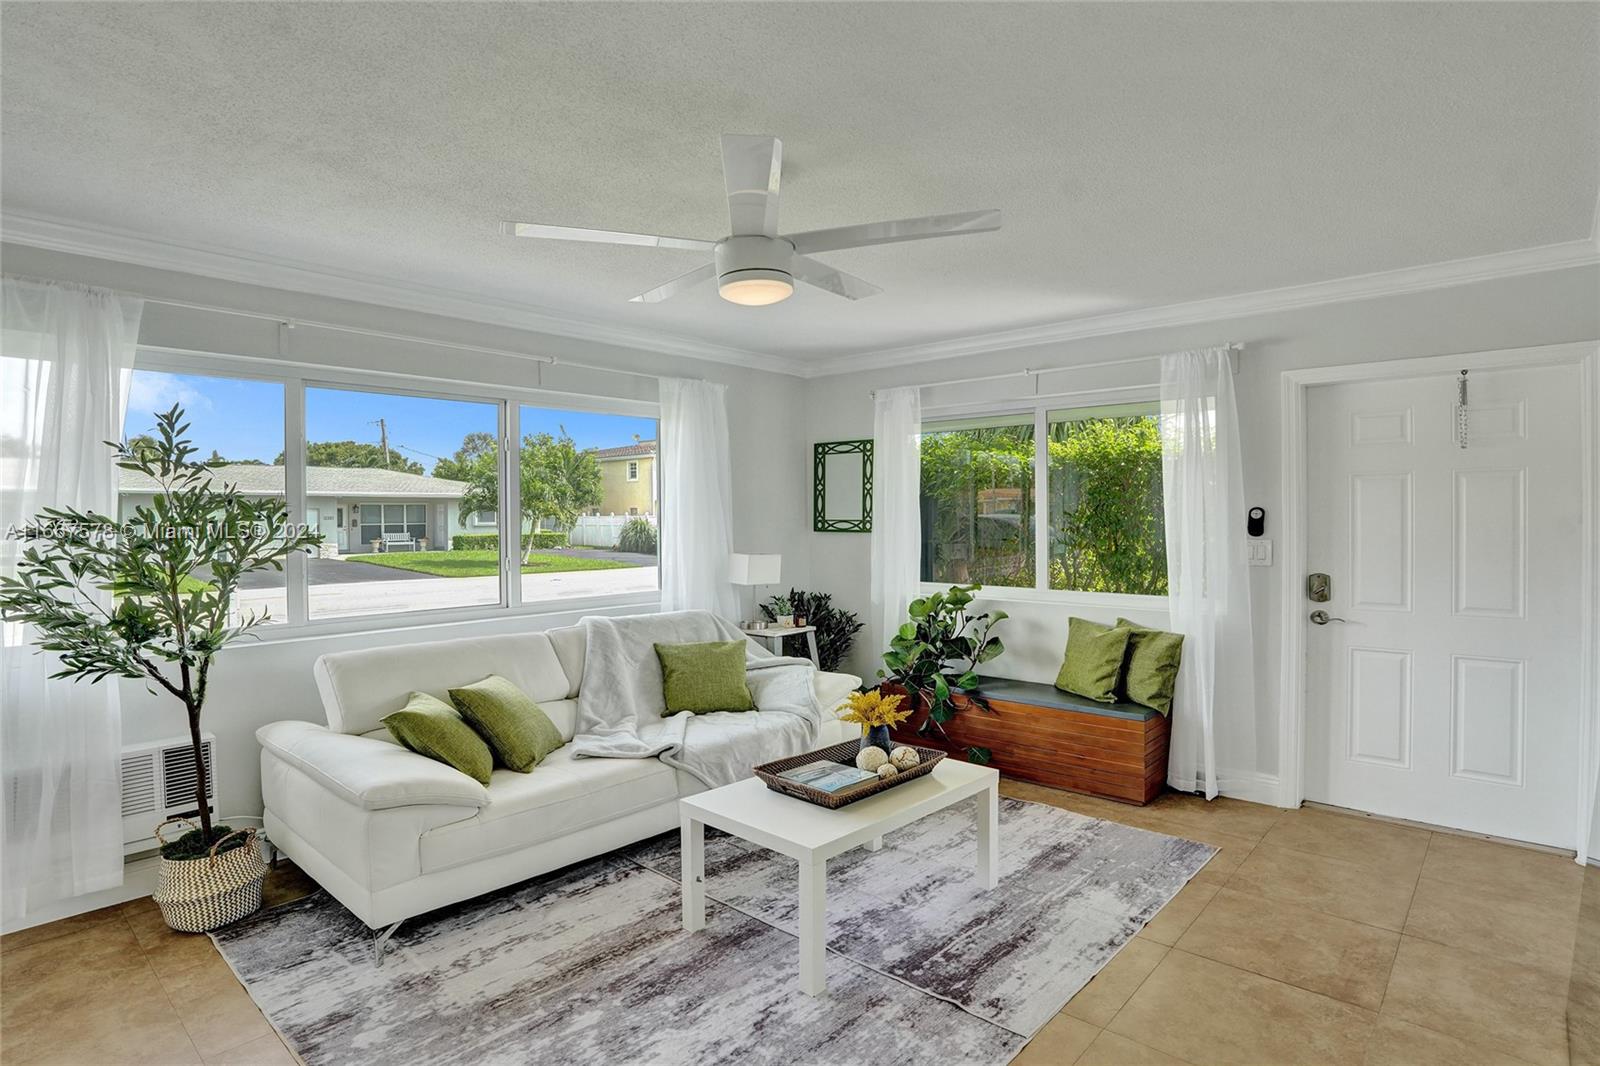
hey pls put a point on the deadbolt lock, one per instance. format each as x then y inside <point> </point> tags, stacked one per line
<point>1319,588</point>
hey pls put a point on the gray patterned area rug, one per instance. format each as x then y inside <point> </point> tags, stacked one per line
<point>591,964</point>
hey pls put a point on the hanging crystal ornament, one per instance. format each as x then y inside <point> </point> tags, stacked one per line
<point>1461,411</point>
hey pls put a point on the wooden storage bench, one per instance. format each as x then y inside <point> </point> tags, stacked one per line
<point>1039,733</point>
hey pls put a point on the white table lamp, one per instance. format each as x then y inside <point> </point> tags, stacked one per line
<point>755,570</point>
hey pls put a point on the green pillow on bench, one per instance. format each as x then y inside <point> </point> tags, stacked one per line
<point>1092,665</point>
<point>1152,670</point>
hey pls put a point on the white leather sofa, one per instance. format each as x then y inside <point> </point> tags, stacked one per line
<point>393,834</point>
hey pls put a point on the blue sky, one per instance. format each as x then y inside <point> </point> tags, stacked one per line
<point>244,419</point>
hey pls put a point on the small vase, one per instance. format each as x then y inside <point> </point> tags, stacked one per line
<point>877,737</point>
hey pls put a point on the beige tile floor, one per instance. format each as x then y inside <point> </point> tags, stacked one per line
<point>1312,937</point>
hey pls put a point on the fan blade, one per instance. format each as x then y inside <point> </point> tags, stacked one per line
<point>678,284</point>
<point>837,282</point>
<point>602,236</point>
<point>904,229</point>
<point>751,167</point>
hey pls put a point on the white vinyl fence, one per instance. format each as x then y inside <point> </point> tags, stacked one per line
<point>601,530</point>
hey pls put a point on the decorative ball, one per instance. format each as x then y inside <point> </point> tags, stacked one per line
<point>871,758</point>
<point>887,770</point>
<point>904,758</point>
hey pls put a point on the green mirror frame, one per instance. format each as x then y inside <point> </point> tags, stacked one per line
<point>821,520</point>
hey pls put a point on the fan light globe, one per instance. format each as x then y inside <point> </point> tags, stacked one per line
<point>756,288</point>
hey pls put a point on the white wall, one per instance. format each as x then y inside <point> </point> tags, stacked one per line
<point>1538,309</point>
<point>256,683</point>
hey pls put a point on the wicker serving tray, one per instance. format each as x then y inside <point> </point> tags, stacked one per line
<point>841,753</point>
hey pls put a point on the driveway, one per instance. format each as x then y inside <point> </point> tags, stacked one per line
<point>331,572</point>
<point>344,572</point>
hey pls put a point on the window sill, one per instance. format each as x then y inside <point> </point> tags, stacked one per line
<point>1061,597</point>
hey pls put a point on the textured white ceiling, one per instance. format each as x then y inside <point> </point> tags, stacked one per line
<point>1143,154</point>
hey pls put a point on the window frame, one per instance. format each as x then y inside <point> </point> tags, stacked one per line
<point>1039,407</point>
<point>633,470</point>
<point>297,377</point>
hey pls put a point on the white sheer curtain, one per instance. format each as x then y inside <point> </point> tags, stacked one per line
<point>896,511</point>
<point>1208,590</point>
<point>697,498</point>
<point>66,353</point>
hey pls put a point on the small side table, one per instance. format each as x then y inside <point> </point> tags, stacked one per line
<point>774,638</point>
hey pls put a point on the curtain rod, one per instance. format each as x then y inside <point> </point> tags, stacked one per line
<point>288,322</point>
<point>1034,372</point>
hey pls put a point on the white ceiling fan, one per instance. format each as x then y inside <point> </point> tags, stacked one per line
<point>756,266</point>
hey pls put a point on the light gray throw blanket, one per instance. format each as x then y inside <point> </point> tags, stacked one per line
<point>620,702</point>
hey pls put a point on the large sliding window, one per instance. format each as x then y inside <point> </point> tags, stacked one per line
<point>387,457</point>
<point>1100,528</point>
<point>237,425</point>
<point>406,489</point>
<point>573,469</point>
<point>977,501</point>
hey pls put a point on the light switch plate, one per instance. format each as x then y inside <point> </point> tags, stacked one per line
<point>1260,551</point>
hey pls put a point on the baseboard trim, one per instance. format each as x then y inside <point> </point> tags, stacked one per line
<point>1253,788</point>
<point>138,880</point>
<point>1548,849</point>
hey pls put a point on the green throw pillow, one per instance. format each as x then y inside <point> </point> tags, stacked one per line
<point>704,677</point>
<point>430,726</point>
<point>520,733</point>
<point>1153,658</point>
<point>1092,665</point>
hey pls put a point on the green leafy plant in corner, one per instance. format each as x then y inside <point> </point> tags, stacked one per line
<point>778,605</point>
<point>935,657</point>
<point>171,569</point>
<point>836,627</point>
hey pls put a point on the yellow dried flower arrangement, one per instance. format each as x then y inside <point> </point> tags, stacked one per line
<point>873,708</point>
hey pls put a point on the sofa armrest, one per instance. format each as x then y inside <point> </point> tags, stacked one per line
<point>371,774</point>
<point>831,690</point>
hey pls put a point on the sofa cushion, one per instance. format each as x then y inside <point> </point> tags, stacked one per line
<point>563,795</point>
<point>518,732</point>
<point>359,687</point>
<point>704,677</point>
<point>570,642</point>
<point>429,726</point>
<point>832,689</point>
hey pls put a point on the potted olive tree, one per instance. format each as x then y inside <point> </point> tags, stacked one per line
<point>171,569</point>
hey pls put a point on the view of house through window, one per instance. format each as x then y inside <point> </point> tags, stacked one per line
<point>589,504</point>
<point>977,501</point>
<point>1102,526</point>
<point>1106,525</point>
<point>405,492</point>
<point>236,423</point>
<point>384,459</point>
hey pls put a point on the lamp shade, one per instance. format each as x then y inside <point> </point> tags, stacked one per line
<point>755,569</point>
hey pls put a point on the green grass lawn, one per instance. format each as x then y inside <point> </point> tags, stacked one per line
<point>481,563</point>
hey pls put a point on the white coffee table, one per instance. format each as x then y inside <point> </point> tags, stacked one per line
<point>812,835</point>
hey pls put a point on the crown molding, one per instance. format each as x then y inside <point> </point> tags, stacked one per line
<point>61,235</point>
<point>1339,290</point>
<point>226,264</point>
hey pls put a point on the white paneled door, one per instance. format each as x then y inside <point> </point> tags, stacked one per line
<point>1444,683</point>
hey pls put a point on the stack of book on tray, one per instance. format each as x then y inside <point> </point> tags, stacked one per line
<point>827,776</point>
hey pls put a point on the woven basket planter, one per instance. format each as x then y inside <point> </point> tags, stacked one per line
<point>199,895</point>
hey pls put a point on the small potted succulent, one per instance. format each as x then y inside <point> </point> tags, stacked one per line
<point>782,610</point>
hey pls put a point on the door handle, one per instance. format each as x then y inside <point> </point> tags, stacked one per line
<point>1320,617</point>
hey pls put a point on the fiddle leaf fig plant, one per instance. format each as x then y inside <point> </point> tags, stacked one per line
<point>935,657</point>
<point>169,572</point>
